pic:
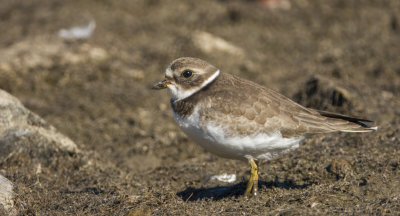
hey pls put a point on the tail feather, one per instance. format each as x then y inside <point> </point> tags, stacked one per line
<point>365,130</point>
<point>364,124</point>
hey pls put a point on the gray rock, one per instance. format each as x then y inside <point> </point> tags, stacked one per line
<point>27,142</point>
<point>16,121</point>
<point>6,196</point>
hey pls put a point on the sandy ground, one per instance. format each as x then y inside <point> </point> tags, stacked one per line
<point>341,56</point>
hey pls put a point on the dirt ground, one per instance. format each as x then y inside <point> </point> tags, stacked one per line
<point>338,55</point>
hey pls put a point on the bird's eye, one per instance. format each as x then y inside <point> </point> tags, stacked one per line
<point>187,73</point>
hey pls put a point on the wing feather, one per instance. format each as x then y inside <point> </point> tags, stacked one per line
<point>245,106</point>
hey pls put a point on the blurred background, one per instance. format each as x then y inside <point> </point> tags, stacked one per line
<point>86,67</point>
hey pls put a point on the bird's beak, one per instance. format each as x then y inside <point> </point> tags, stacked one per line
<point>161,85</point>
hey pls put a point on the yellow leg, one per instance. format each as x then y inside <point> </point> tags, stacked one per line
<point>255,184</point>
<point>252,185</point>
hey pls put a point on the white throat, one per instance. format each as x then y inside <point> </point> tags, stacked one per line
<point>178,93</point>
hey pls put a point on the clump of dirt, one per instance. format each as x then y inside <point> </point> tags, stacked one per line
<point>340,56</point>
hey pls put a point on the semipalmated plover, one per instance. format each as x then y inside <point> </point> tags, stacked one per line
<point>239,119</point>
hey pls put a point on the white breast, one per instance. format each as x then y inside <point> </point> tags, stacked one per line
<point>219,140</point>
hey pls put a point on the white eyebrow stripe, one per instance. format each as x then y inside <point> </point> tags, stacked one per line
<point>182,94</point>
<point>168,73</point>
<point>210,79</point>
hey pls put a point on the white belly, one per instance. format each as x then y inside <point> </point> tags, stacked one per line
<point>220,141</point>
